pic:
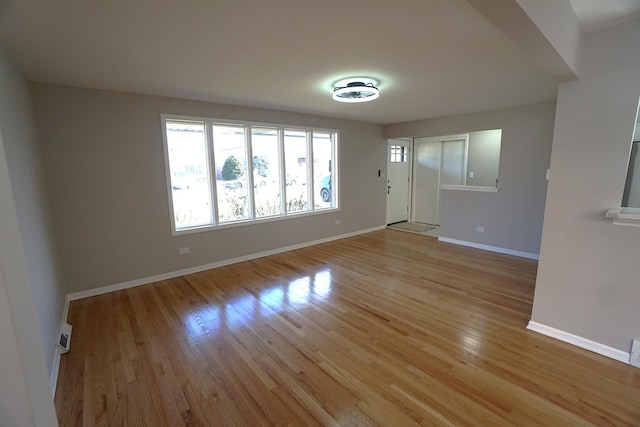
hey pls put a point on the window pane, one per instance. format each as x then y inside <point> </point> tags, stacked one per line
<point>295,158</point>
<point>188,168</point>
<point>324,193</point>
<point>266,172</point>
<point>231,172</point>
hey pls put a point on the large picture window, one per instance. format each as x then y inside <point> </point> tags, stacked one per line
<point>222,173</point>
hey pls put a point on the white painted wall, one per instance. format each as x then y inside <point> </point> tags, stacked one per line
<point>32,292</point>
<point>106,176</point>
<point>588,276</point>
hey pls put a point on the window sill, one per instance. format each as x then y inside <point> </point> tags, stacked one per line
<point>247,222</point>
<point>470,188</point>
<point>625,216</point>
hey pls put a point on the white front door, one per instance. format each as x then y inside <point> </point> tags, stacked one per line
<point>398,156</point>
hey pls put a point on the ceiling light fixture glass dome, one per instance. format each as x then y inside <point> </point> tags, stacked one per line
<point>356,89</point>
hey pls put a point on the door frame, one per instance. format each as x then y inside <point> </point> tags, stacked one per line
<point>409,145</point>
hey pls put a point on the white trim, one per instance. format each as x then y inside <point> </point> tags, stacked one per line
<point>222,121</point>
<point>470,188</point>
<point>173,274</point>
<point>65,310</point>
<point>625,216</point>
<point>579,341</point>
<point>408,144</point>
<point>247,222</point>
<point>247,126</point>
<point>55,367</point>
<point>490,248</point>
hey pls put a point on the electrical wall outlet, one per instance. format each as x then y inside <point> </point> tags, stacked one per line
<point>184,250</point>
<point>470,174</point>
<point>337,222</point>
<point>480,229</point>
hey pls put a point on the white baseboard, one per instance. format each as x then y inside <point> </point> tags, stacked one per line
<point>578,341</point>
<point>490,248</point>
<point>55,370</point>
<point>55,367</point>
<point>173,274</point>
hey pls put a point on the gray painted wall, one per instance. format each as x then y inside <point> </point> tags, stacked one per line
<point>484,157</point>
<point>105,171</point>
<point>513,217</point>
<point>27,258</point>
<point>588,276</point>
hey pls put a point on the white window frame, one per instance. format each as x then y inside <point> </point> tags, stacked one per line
<point>210,161</point>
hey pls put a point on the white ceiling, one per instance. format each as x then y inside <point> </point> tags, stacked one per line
<point>432,57</point>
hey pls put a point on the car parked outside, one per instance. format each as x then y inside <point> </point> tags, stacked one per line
<point>325,189</point>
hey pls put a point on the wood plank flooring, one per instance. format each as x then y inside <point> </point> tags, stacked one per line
<point>383,329</point>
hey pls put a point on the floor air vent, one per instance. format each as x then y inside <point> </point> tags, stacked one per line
<point>64,339</point>
<point>635,353</point>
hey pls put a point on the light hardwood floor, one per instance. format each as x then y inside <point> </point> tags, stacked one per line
<point>387,328</point>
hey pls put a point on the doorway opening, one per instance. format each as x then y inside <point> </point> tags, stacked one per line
<point>416,169</point>
<point>419,168</point>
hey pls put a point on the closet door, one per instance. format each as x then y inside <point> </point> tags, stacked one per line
<point>436,163</point>
<point>426,181</point>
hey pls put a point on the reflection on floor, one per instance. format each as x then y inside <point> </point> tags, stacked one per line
<point>416,227</point>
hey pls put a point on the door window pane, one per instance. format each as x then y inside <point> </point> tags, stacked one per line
<point>266,172</point>
<point>188,169</point>
<point>296,164</point>
<point>231,172</point>
<point>324,193</point>
<point>398,154</point>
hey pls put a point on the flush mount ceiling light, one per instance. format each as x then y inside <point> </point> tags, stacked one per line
<point>357,89</point>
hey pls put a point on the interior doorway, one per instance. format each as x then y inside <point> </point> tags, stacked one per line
<point>398,179</point>
<point>416,170</point>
